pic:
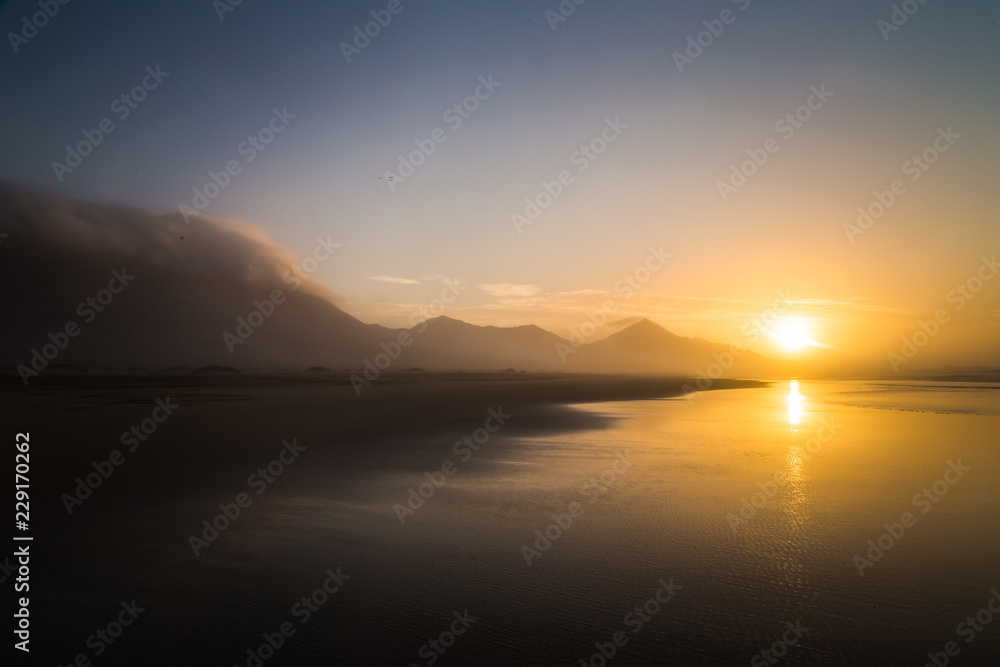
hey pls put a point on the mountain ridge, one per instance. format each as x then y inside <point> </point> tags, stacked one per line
<point>221,293</point>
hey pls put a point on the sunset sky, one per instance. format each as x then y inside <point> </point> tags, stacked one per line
<point>888,97</point>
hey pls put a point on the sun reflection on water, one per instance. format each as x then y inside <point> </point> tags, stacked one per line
<point>797,514</point>
<point>795,402</point>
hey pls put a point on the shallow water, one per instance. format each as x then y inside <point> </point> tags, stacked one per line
<point>749,504</point>
<point>849,459</point>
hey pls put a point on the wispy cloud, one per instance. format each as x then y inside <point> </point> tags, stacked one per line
<point>394,281</point>
<point>509,290</point>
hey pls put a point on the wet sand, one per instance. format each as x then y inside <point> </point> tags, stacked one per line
<point>131,537</point>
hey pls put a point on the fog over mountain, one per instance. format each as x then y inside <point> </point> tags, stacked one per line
<point>99,285</point>
<point>186,287</point>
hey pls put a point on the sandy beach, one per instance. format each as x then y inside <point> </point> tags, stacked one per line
<point>118,494</point>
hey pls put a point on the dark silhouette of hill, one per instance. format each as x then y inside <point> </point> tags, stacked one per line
<point>646,347</point>
<point>463,346</point>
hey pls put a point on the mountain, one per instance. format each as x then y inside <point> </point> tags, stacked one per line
<point>464,346</point>
<point>646,347</point>
<point>116,286</point>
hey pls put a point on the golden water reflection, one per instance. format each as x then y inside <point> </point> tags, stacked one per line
<point>795,403</point>
<point>796,503</point>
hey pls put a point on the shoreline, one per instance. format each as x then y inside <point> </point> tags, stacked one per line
<point>226,423</point>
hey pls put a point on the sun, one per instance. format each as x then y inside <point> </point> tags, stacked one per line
<point>792,334</point>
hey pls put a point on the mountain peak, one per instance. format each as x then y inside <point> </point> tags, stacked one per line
<point>445,321</point>
<point>647,327</point>
<point>644,332</point>
<point>645,322</point>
